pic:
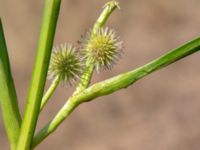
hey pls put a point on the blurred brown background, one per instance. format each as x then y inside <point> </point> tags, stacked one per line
<point>160,112</point>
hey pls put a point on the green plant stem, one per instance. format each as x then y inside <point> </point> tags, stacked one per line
<point>85,78</point>
<point>109,7</point>
<point>89,67</point>
<point>49,128</point>
<point>8,98</point>
<point>114,84</point>
<point>50,92</point>
<point>32,110</point>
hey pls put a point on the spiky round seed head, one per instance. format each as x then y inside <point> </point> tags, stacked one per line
<point>65,63</point>
<point>103,48</point>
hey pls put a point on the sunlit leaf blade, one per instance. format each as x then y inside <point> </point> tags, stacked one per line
<point>8,98</point>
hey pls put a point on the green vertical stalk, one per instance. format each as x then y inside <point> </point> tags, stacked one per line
<point>8,98</point>
<point>89,67</point>
<point>114,84</point>
<point>32,110</point>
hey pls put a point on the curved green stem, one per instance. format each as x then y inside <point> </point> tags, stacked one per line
<point>49,92</point>
<point>32,110</point>
<point>8,97</point>
<point>114,84</point>
<point>109,7</point>
<point>89,67</point>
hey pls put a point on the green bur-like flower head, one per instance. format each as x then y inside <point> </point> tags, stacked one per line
<point>65,63</point>
<point>103,48</point>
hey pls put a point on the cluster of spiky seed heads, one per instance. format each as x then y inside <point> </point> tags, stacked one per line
<point>101,49</point>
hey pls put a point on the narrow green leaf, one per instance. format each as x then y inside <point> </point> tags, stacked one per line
<point>32,110</point>
<point>8,98</point>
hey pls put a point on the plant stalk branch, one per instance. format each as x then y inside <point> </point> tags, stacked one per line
<point>114,84</point>
<point>89,67</point>
<point>49,92</point>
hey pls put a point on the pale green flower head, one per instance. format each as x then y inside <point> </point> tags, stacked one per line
<point>103,48</point>
<point>65,63</point>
